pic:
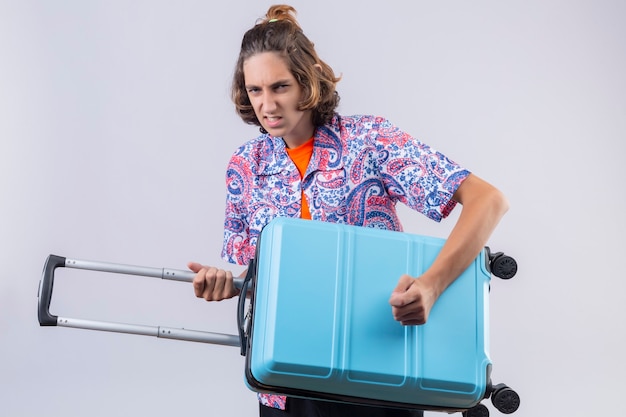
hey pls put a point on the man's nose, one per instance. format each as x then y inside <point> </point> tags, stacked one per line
<point>269,102</point>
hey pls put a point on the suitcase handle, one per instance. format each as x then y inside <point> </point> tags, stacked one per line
<point>241,315</point>
<point>46,285</point>
<point>45,290</point>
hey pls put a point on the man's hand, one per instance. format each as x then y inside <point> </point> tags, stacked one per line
<point>211,283</point>
<point>412,300</point>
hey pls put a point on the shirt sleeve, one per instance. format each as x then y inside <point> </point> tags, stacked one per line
<point>237,245</point>
<point>416,174</point>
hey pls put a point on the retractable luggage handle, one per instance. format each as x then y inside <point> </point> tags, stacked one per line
<point>45,296</point>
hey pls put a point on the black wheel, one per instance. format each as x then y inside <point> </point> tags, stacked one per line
<point>505,399</point>
<point>477,411</point>
<point>504,266</point>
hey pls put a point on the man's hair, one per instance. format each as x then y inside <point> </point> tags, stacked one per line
<point>280,32</point>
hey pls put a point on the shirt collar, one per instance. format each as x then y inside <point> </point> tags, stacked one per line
<point>328,151</point>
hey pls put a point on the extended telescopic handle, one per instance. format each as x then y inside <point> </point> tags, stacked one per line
<point>45,290</point>
<point>47,283</point>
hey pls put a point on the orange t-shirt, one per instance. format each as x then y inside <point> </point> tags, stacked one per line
<point>301,157</point>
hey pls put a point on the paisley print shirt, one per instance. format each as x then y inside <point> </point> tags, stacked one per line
<point>360,168</point>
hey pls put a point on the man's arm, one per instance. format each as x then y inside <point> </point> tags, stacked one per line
<point>483,207</point>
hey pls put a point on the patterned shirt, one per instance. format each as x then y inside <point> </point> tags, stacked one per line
<point>360,168</point>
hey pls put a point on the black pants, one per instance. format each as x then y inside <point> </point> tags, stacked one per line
<point>298,407</point>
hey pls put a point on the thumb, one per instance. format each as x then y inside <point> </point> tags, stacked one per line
<point>194,266</point>
<point>397,298</point>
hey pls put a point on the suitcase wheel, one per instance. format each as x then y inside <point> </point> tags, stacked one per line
<point>505,399</point>
<point>477,411</point>
<point>503,266</point>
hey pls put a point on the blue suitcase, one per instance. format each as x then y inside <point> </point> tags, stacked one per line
<point>321,325</point>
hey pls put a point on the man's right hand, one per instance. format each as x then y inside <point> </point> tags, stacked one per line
<point>211,283</point>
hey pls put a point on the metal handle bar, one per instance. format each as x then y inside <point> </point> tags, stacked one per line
<point>45,296</point>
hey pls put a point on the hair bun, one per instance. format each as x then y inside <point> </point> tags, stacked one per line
<point>280,12</point>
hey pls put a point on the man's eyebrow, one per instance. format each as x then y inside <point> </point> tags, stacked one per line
<point>273,85</point>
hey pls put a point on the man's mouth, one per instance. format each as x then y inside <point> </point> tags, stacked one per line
<point>273,121</point>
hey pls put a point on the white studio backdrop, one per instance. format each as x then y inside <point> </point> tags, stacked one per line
<point>116,127</point>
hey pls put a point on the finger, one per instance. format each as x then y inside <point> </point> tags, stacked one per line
<point>225,286</point>
<point>401,295</point>
<point>209,283</point>
<point>408,312</point>
<point>220,284</point>
<point>397,299</point>
<point>198,279</point>
<point>198,282</point>
<point>404,283</point>
<point>413,315</point>
<point>413,322</point>
<point>194,266</point>
<point>229,285</point>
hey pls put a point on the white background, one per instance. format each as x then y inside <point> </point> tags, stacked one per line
<point>116,126</point>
